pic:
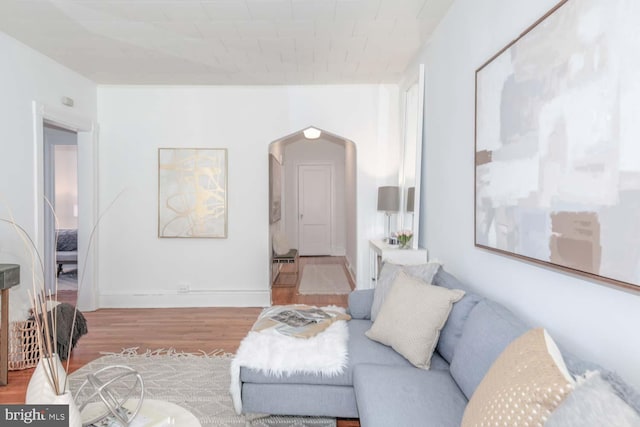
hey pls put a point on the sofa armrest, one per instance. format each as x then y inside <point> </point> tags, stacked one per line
<point>360,303</point>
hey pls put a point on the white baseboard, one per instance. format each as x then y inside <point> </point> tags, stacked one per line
<point>187,299</point>
<point>338,251</point>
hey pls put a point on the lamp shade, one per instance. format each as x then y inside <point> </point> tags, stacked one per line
<point>389,199</point>
<point>411,197</point>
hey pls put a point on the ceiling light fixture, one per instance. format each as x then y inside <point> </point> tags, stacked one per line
<point>312,133</point>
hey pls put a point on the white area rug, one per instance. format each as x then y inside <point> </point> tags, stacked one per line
<point>198,383</point>
<point>324,279</point>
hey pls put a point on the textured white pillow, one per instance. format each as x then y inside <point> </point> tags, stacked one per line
<point>280,243</point>
<point>593,403</point>
<point>411,318</point>
<point>387,278</point>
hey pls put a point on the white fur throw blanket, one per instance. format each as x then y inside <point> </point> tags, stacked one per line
<point>273,353</point>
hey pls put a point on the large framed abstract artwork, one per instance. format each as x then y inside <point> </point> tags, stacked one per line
<point>275,189</point>
<point>557,144</point>
<point>192,192</point>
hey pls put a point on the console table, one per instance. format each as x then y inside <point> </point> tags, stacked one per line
<point>380,251</point>
<point>9,277</point>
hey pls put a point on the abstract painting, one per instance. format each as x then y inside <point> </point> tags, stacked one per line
<point>557,150</point>
<point>192,192</point>
<point>275,190</point>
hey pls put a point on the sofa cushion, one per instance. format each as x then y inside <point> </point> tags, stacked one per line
<point>388,274</point>
<point>447,280</point>
<point>412,316</point>
<point>406,396</point>
<point>489,329</point>
<point>364,350</point>
<point>361,350</point>
<point>524,385</point>
<point>360,302</point>
<point>296,399</point>
<point>452,331</point>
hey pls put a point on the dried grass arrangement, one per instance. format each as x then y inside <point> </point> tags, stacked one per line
<point>44,320</point>
<point>44,309</point>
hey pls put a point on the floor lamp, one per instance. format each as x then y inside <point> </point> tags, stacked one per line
<point>389,203</point>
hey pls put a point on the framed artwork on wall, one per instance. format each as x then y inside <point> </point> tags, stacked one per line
<point>275,190</point>
<point>192,192</point>
<point>557,158</point>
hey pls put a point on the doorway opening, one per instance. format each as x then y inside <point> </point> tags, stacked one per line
<point>60,164</point>
<point>313,204</point>
<point>85,129</point>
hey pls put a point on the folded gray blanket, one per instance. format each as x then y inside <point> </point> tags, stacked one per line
<point>63,334</point>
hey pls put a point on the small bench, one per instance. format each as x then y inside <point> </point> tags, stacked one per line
<point>290,257</point>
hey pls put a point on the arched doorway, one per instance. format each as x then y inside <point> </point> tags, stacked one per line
<point>313,201</point>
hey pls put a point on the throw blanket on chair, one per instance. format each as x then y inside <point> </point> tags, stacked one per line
<point>273,353</point>
<point>68,329</point>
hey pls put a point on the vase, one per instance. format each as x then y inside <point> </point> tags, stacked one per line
<point>66,398</point>
<point>405,244</point>
<point>40,389</point>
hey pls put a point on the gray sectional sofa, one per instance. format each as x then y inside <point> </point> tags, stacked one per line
<point>383,389</point>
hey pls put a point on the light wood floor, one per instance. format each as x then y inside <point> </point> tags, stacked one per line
<point>185,329</point>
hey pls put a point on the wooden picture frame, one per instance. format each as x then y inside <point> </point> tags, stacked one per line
<point>557,162</point>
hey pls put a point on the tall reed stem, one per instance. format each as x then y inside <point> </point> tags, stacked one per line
<point>46,320</point>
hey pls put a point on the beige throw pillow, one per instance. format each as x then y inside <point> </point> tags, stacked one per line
<point>524,385</point>
<point>411,317</point>
<point>388,275</point>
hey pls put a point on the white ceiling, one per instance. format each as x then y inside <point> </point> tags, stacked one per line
<point>226,41</point>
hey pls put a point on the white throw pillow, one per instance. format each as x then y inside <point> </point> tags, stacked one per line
<point>411,318</point>
<point>280,243</point>
<point>525,384</point>
<point>593,403</point>
<point>388,275</point>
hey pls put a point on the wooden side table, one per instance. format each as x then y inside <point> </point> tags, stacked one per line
<point>9,277</point>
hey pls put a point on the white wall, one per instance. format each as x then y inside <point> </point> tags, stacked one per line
<point>594,320</point>
<point>351,184</point>
<point>277,150</point>
<point>137,268</point>
<point>27,76</point>
<point>318,151</point>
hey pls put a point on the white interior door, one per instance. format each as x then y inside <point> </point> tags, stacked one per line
<point>314,209</point>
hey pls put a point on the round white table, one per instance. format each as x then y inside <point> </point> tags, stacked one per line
<point>153,413</point>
